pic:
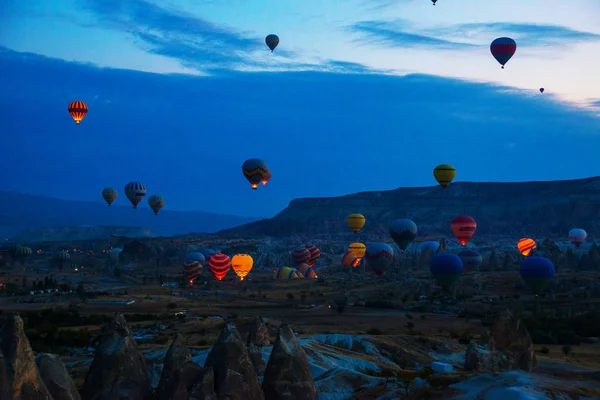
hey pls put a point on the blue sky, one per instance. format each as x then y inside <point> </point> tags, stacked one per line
<point>360,95</point>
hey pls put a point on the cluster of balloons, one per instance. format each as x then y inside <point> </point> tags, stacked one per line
<point>135,192</point>
<point>303,259</point>
<point>219,264</point>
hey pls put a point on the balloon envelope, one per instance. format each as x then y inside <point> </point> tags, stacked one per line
<point>272,41</point>
<point>503,49</point>
<point>379,257</point>
<point>192,265</point>
<point>255,170</point>
<point>356,222</point>
<point>577,236</point>
<point>431,245</point>
<point>463,227</point>
<point>403,231</point>
<point>471,259</point>
<point>109,195</point>
<point>219,264</point>
<point>242,264</point>
<point>315,253</point>
<point>359,249</point>
<point>307,271</point>
<point>300,255</point>
<point>541,90</point>
<point>156,202</point>
<point>444,174</point>
<point>446,268</point>
<point>349,259</point>
<point>537,272</point>
<point>78,110</point>
<point>135,192</point>
<point>526,246</point>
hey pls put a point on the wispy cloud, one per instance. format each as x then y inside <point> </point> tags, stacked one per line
<point>401,33</point>
<point>375,5</point>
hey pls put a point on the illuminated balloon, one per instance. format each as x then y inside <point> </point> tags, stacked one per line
<point>356,222</point>
<point>359,249</point>
<point>503,49</point>
<point>444,174</point>
<point>255,170</point>
<point>286,273</point>
<point>109,195</point>
<point>349,260</point>
<point>272,41</point>
<point>266,178</point>
<point>156,202</point>
<point>403,231</point>
<point>315,253</point>
<point>577,236</point>
<point>463,227</point>
<point>78,110</point>
<point>135,192</point>
<point>446,269</point>
<point>242,264</point>
<point>526,245</point>
<point>471,259</point>
<point>431,245</point>
<point>192,266</point>
<point>542,90</point>
<point>219,265</point>
<point>300,255</point>
<point>307,271</point>
<point>379,257</point>
<point>537,273</point>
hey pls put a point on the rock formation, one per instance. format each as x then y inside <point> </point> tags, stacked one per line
<point>119,369</point>
<point>474,359</point>
<point>179,373</point>
<point>259,333</point>
<point>56,377</point>
<point>205,389</point>
<point>19,375</point>
<point>256,357</point>
<point>288,375</point>
<point>510,336</point>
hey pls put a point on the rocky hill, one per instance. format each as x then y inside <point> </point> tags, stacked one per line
<point>77,233</point>
<point>501,209</point>
<point>20,211</point>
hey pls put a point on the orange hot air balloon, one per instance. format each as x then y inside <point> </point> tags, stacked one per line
<point>78,110</point>
<point>359,249</point>
<point>219,265</point>
<point>526,245</point>
<point>463,228</point>
<point>356,222</point>
<point>242,264</point>
<point>350,260</point>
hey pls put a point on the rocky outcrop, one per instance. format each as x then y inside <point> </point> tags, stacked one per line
<point>234,377</point>
<point>119,369</point>
<point>288,375</point>
<point>56,377</point>
<point>510,337</point>
<point>474,358</point>
<point>205,389</point>
<point>259,333</point>
<point>20,378</point>
<point>256,357</point>
<point>179,372</point>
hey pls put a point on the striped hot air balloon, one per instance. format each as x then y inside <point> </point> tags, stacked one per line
<point>307,271</point>
<point>471,259</point>
<point>77,110</point>
<point>356,222</point>
<point>444,174</point>
<point>359,249</point>
<point>315,253</point>
<point>463,227</point>
<point>300,255</point>
<point>60,259</point>
<point>242,264</point>
<point>526,246</point>
<point>446,269</point>
<point>379,257</point>
<point>349,260</point>
<point>255,170</point>
<point>135,192</point>
<point>503,49</point>
<point>109,195</point>
<point>192,266</point>
<point>403,231</point>
<point>219,264</point>
<point>285,273</point>
<point>537,273</point>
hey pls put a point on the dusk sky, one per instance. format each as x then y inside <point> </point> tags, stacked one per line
<point>359,95</point>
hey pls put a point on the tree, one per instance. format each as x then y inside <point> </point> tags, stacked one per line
<point>117,272</point>
<point>566,349</point>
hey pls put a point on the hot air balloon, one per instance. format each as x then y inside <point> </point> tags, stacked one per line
<point>349,260</point>
<point>542,90</point>
<point>307,271</point>
<point>359,249</point>
<point>434,1</point>
<point>266,178</point>
<point>78,110</point>
<point>23,253</point>
<point>242,264</point>
<point>109,195</point>
<point>471,259</point>
<point>60,259</point>
<point>503,49</point>
<point>431,245</point>
<point>219,264</point>
<point>403,231</point>
<point>379,257</point>
<point>255,170</point>
<point>446,268</point>
<point>537,272</point>
<point>135,192</point>
<point>444,174</point>
<point>300,255</point>
<point>315,253</point>
<point>577,236</point>
<point>156,202</point>
<point>356,222</point>
<point>208,253</point>
<point>526,245</point>
<point>272,41</point>
<point>463,227</point>
<point>286,273</point>
<point>192,266</point>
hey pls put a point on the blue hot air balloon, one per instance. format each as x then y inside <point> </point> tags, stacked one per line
<point>471,259</point>
<point>379,257</point>
<point>431,245</point>
<point>446,268</point>
<point>537,272</point>
<point>403,231</point>
<point>208,253</point>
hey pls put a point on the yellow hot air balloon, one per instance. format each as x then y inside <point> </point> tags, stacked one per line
<point>356,222</point>
<point>359,249</point>
<point>444,174</point>
<point>109,195</point>
<point>156,202</point>
<point>526,245</point>
<point>242,264</point>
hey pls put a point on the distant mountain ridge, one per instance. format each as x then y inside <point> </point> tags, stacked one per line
<point>19,212</point>
<point>517,209</point>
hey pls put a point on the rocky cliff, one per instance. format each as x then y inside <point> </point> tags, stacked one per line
<point>501,209</point>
